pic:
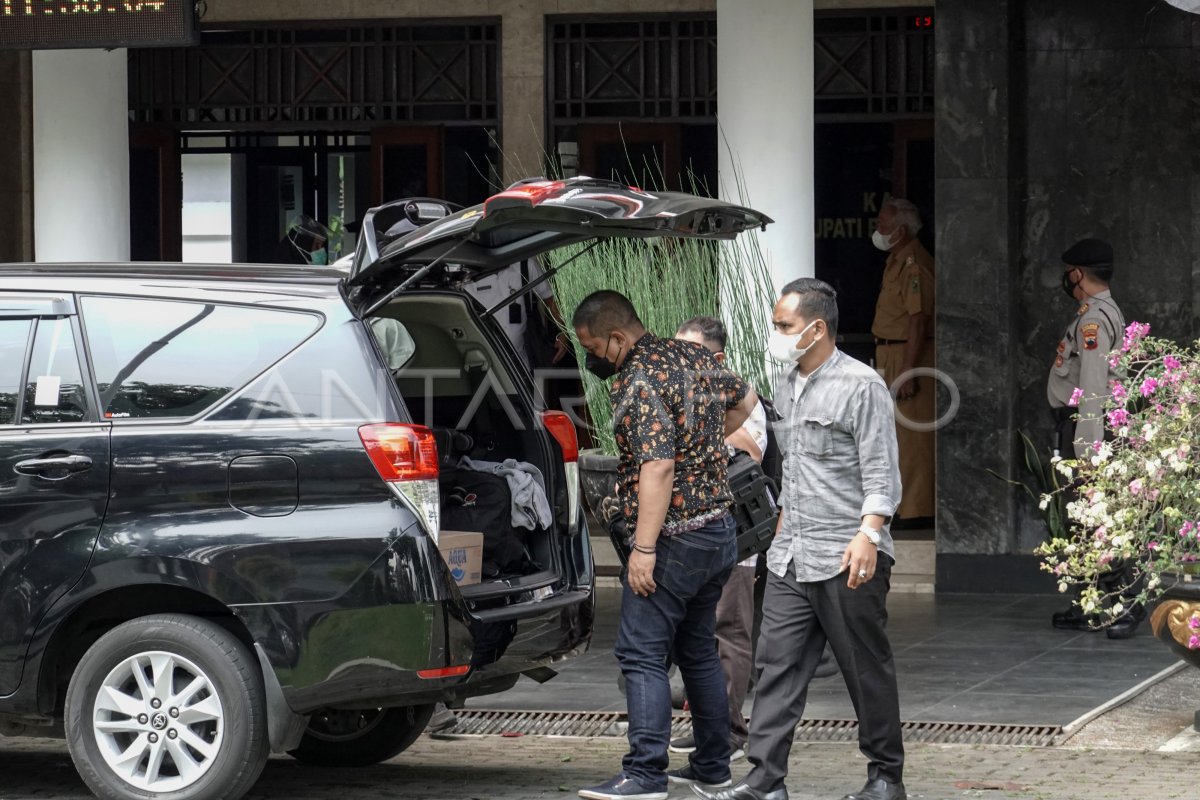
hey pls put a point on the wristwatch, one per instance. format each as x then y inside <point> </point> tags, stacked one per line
<point>871,534</point>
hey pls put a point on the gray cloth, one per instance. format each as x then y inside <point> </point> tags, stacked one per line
<point>530,508</point>
<point>840,463</point>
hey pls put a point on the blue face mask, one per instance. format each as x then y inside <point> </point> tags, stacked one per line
<point>319,258</point>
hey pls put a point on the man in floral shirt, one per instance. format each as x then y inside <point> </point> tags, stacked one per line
<point>673,405</point>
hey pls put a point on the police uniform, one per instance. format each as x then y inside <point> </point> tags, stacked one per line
<point>908,289</point>
<point>1081,361</point>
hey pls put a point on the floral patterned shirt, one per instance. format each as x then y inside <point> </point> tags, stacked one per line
<point>669,402</point>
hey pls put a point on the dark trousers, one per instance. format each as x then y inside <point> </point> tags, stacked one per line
<point>735,623</point>
<point>798,619</point>
<point>676,623</point>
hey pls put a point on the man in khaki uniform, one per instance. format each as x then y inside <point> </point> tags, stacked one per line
<point>1081,363</point>
<point>903,330</point>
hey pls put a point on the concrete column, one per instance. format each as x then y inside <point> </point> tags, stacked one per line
<point>523,89</point>
<point>765,90</point>
<point>81,155</point>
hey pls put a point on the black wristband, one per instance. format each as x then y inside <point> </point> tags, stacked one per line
<point>647,550</point>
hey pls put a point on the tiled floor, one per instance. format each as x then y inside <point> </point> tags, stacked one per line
<point>959,658</point>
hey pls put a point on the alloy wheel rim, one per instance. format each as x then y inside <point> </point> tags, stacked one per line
<point>158,721</point>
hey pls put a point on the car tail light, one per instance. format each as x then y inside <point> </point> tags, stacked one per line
<point>405,456</point>
<point>562,429</point>
<point>444,672</point>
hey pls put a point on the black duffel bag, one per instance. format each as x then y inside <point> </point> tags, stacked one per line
<point>481,502</point>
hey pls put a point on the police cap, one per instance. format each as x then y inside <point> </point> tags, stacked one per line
<point>1093,253</point>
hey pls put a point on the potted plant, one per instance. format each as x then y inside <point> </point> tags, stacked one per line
<point>1137,495</point>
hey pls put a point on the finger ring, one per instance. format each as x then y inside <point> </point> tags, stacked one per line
<point>862,573</point>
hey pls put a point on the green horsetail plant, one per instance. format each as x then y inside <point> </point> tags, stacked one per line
<point>669,281</point>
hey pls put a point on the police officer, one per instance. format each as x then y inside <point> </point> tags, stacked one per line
<point>1081,362</point>
<point>903,331</point>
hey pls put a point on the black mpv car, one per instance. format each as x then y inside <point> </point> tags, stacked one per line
<point>219,497</point>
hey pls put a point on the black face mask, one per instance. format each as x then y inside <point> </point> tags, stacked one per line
<point>600,366</point>
<point>1069,285</point>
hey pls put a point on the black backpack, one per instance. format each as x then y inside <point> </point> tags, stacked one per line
<point>481,502</point>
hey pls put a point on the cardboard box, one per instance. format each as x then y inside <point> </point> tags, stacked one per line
<point>463,552</point>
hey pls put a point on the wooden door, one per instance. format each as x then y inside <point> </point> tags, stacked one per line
<point>406,162</point>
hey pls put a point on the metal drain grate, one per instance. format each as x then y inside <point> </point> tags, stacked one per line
<point>610,723</point>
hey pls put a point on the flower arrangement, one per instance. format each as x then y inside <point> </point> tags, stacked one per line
<point>1136,498</point>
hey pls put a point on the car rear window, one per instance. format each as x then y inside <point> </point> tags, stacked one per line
<point>166,358</point>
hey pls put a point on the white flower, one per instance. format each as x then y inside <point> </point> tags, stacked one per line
<point>1064,467</point>
<point>1117,609</point>
<point>1153,465</point>
<point>1062,587</point>
<point>1044,503</point>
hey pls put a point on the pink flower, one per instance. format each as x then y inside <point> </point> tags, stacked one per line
<point>1187,528</point>
<point>1076,396</point>
<point>1135,486</point>
<point>1148,387</point>
<point>1152,546</point>
<point>1194,622</point>
<point>1118,392</point>
<point>1171,363</point>
<point>1118,418</point>
<point>1154,493</point>
<point>1133,332</point>
<point>1194,642</point>
<point>1114,360</point>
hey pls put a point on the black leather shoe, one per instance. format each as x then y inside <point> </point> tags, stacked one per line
<point>741,792</point>
<point>1071,620</point>
<point>1127,624</point>
<point>879,789</point>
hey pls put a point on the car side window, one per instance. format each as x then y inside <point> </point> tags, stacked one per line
<point>14,338</point>
<point>168,358</point>
<point>54,388</point>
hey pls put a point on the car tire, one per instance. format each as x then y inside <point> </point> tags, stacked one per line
<point>180,693</point>
<point>359,738</point>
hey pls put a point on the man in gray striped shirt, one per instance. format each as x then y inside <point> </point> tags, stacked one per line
<point>830,563</point>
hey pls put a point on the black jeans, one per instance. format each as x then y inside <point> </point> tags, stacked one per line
<point>798,619</point>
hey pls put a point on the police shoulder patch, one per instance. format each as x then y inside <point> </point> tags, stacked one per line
<point>1089,332</point>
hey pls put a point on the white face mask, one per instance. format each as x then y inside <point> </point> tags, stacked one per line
<point>784,346</point>
<point>882,242</point>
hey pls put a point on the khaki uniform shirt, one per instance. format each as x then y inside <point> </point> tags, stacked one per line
<point>907,289</point>
<point>1082,362</point>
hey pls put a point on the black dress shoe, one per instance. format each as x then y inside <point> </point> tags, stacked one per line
<point>1071,620</point>
<point>1127,624</point>
<point>879,789</point>
<point>740,792</point>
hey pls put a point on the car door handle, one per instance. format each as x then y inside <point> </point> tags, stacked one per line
<point>54,469</point>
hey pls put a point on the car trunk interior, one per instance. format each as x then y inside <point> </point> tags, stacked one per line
<point>459,377</point>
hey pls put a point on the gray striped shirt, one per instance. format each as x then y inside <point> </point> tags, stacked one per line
<point>840,463</point>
